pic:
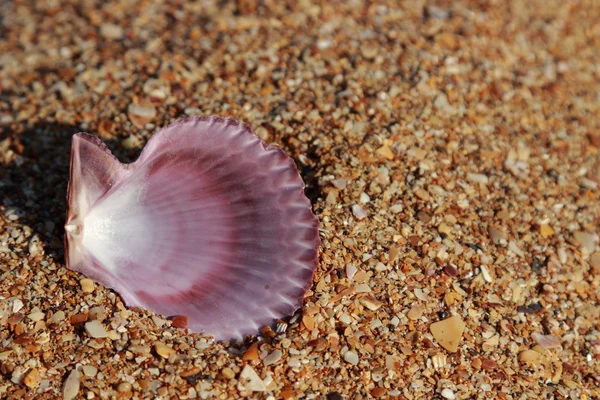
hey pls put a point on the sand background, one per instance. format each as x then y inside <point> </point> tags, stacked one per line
<point>450,149</point>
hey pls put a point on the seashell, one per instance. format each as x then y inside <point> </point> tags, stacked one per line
<point>209,222</point>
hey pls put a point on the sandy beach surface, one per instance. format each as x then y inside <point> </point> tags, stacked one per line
<point>451,151</point>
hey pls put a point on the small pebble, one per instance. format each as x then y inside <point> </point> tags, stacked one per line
<point>496,234</point>
<point>479,178</point>
<point>159,322</point>
<point>89,370</point>
<point>359,212</point>
<point>87,285</point>
<point>272,357</point>
<point>308,321</point>
<point>95,329</point>
<point>546,230</point>
<point>57,317</point>
<point>448,332</point>
<point>586,240</point>
<point>32,379</point>
<point>448,394</point>
<point>489,364</point>
<point>385,152</point>
<point>445,229</point>
<point>351,357</point>
<point>485,272</point>
<point>339,183</point>
<point>250,379</point>
<point>371,303</point>
<point>251,354</point>
<point>163,350</point>
<point>132,142</point>
<point>139,349</point>
<point>396,208</point>
<point>111,31</point>
<point>124,387</point>
<point>318,344</point>
<point>351,270</point>
<point>424,217</point>
<point>546,341</point>
<point>36,316</point>
<point>415,312</point>
<point>141,114</point>
<point>595,261</point>
<point>71,385</point>
<point>98,313</point>
<point>529,357</point>
<point>364,198</point>
<point>422,194</point>
<point>179,321</point>
<point>35,246</point>
<point>17,305</point>
<point>156,89</point>
<point>228,373</point>
<point>450,271</point>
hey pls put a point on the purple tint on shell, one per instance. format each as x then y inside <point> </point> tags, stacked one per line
<point>209,222</point>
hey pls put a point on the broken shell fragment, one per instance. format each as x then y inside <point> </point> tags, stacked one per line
<point>209,222</point>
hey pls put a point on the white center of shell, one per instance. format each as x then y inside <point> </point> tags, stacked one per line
<point>118,228</point>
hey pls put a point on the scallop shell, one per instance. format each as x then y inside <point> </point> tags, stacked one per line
<point>209,222</point>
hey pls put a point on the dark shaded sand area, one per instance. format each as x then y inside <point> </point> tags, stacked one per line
<point>450,149</point>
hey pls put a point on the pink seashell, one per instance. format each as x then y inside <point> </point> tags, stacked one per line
<point>209,222</point>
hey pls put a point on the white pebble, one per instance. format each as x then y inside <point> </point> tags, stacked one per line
<point>448,394</point>
<point>480,178</point>
<point>36,316</point>
<point>95,329</point>
<point>272,357</point>
<point>146,111</point>
<point>17,305</point>
<point>587,241</point>
<point>250,379</point>
<point>562,255</point>
<point>512,246</point>
<point>351,270</point>
<point>486,274</point>
<point>351,357</point>
<point>57,317</point>
<point>364,198</point>
<point>71,387</point>
<point>90,370</point>
<point>396,208</point>
<point>359,212</point>
<point>339,183</point>
<point>111,31</point>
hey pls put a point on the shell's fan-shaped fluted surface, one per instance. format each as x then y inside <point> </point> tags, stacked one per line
<point>209,222</point>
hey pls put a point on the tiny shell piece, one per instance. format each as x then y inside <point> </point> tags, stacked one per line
<point>209,222</point>
<point>250,379</point>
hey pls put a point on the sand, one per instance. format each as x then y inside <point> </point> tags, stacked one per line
<point>451,152</point>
